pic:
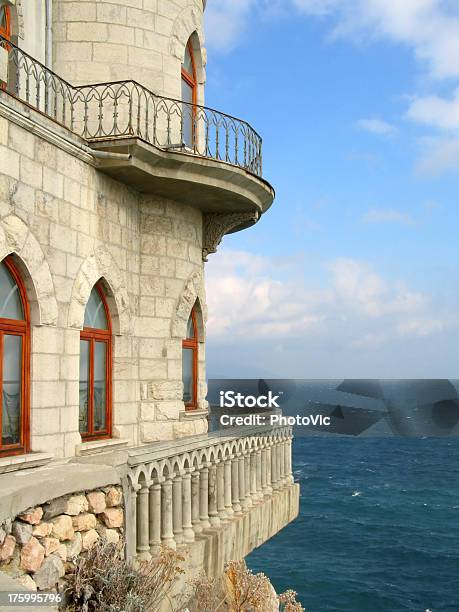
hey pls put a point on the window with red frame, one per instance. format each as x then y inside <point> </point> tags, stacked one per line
<point>5,21</point>
<point>190,364</point>
<point>14,361</point>
<point>189,95</point>
<point>95,418</point>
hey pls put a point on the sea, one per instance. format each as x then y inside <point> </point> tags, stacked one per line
<point>378,528</point>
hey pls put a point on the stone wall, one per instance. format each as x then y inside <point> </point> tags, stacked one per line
<point>68,225</point>
<point>112,40</point>
<point>40,546</point>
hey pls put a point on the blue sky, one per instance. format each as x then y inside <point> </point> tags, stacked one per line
<point>354,272</point>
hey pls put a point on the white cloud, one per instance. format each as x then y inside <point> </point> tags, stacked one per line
<point>247,297</point>
<point>437,112</point>
<point>429,27</point>
<point>439,155</point>
<point>226,21</point>
<point>382,215</point>
<point>377,126</point>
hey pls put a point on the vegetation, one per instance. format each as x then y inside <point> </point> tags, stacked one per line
<point>103,581</point>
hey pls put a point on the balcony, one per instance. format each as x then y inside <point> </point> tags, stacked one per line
<point>190,153</point>
<point>219,495</point>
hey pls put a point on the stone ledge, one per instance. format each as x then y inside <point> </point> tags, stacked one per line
<point>23,462</point>
<point>100,446</point>
<point>193,415</point>
<point>27,488</point>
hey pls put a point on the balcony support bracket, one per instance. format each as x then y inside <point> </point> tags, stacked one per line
<point>216,225</point>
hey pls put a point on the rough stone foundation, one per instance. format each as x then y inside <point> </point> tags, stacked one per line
<point>41,545</point>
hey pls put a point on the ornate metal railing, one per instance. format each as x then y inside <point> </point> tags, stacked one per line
<point>126,108</point>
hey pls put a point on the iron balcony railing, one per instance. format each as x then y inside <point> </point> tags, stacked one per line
<point>126,108</point>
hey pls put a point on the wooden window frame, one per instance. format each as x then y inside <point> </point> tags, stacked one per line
<point>193,344</point>
<point>13,327</point>
<point>93,335</point>
<point>192,81</point>
<point>6,32</point>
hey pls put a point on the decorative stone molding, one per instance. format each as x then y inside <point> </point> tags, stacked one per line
<point>17,239</point>
<point>187,22</point>
<point>193,293</point>
<point>216,225</point>
<point>100,265</point>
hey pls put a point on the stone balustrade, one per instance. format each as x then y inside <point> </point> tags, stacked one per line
<point>183,490</point>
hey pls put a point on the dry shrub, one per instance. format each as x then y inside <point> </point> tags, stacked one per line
<point>288,602</point>
<point>103,581</point>
<point>247,591</point>
<point>204,594</point>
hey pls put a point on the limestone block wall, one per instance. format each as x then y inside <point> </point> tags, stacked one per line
<point>67,226</point>
<point>41,545</point>
<point>144,40</point>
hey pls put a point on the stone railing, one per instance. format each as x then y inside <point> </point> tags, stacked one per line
<point>128,109</point>
<point>189,487</point>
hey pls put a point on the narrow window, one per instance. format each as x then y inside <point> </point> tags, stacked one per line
<point>5,37</point>
<point>190,364</point>
<point>14,361</point>
<point>5,22</point>
<point>95,368</point>
<point>189,96</point>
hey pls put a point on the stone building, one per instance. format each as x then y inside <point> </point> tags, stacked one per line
<point>116,184</point>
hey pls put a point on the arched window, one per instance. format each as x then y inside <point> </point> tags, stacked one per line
<point>190,364</point>
<point>189,95</point>
<point>5,21</point>
<point>95,368</point>
<point>14,362</point>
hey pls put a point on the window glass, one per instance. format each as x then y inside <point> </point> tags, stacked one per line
<point>94,315</point>
<point>187,374</point>
<point>100,386</point>
<point>84,385</point>
<point>10,299</point>
<point>12,379</point>
<point>190,328</point>
<point>188,62</point>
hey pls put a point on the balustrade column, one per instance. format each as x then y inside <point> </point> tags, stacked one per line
<point>204,497</point>
<point>269,479</point>
<point>253,476</point>
<point>248,479</point>
<point>228,502</point>
<point>288,461</point>
<point>221,490</point>
<point>213,511</point>
<point>155,518</point>
<point>264,471</point>
<point>167,534</point>
<point>235,485</point>
<point>188,533</point>
<point>143,544</point>
<point>195,502</point>
<point>274,476</point>
<point>241,470</point>
<point>258,473</point>
<point>282,479</point>
<point>177,515</point>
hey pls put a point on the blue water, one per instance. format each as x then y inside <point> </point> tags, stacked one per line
<point>378,529</point>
